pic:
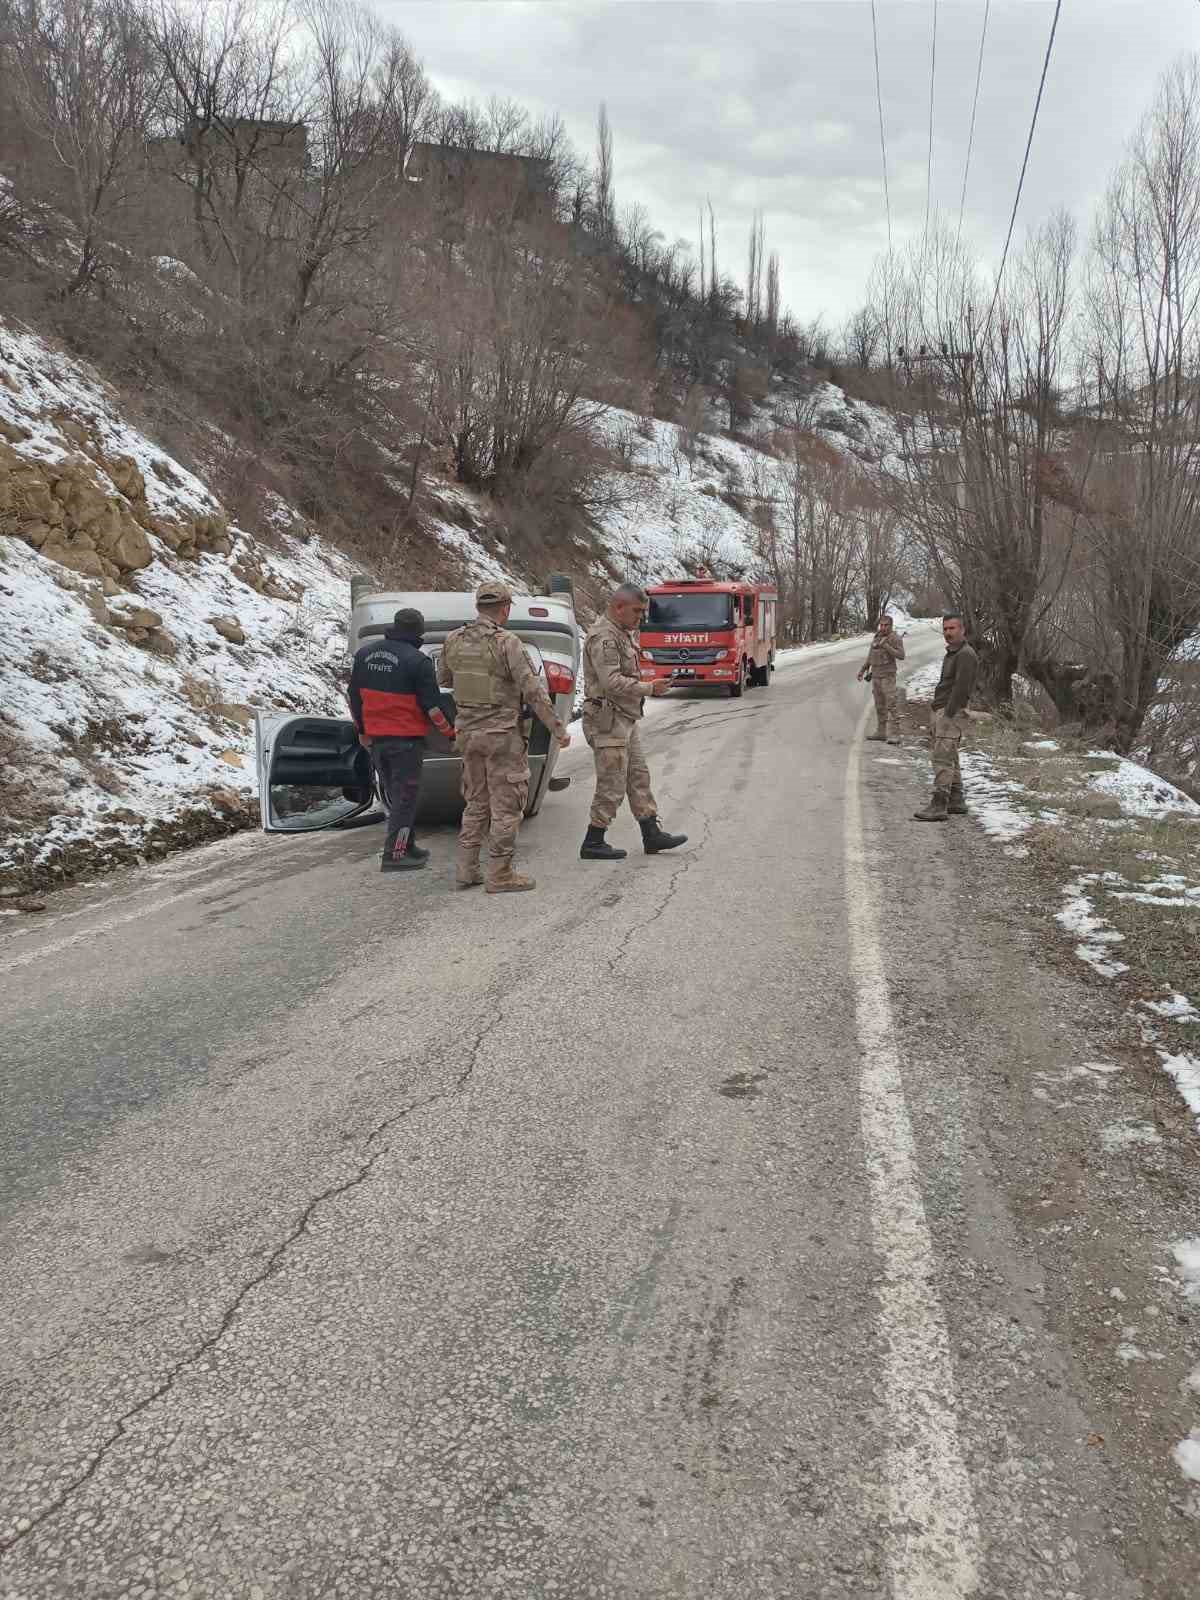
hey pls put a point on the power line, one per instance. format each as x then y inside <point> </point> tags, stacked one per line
<point>1024,165</point>
<point>887,199</point>
<point>974,109</point>
<point>929,162</point>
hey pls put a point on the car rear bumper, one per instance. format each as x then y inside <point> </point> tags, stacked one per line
<point>441,787</point>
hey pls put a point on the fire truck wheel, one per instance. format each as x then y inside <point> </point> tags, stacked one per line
<point>738,689</point>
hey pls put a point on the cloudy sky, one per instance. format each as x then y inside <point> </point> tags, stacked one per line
<point>771,104</point>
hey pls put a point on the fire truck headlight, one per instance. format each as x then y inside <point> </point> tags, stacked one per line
<point>722,655</point>
<point>647,655</point>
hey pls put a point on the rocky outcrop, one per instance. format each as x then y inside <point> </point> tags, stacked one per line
<point>65,510</point>
<point>90,512</point>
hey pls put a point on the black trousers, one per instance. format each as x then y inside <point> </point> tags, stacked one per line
<point>398,764</point>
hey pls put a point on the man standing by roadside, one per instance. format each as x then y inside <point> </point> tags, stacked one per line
<point>490,674</point>
<point>948,721</point>
<point>614,690</point>
<point>887,647</point>
<point>394,700</point>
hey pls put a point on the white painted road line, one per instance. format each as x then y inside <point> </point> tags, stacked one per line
<point>933,1541</point>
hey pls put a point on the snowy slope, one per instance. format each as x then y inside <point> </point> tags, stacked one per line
<point>671,506</point>
<point>126,715</point>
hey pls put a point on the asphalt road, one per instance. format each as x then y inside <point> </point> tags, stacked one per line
<point>697,1226</point>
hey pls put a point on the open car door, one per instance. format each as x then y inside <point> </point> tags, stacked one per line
<point>312,773</point>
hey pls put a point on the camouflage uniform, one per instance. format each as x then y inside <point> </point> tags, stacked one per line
<point>490,674</point>
<point>947,724</point>
<point>612,707</point>
<point>881,660</point>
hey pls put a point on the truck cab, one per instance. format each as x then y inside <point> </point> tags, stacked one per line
<point>702,631</point>
<point>314,774</point>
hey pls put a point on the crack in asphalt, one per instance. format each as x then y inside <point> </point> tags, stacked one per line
<point>269,1269</point>
<point>275,1260</point>
<point>708,719</point>
<point>673,883</point>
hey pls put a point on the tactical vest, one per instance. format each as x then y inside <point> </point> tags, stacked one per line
<point>473,657</point>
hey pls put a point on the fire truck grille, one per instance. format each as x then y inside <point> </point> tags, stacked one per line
<point>700,657</point>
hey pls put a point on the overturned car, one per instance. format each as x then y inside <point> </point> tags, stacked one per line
<point>312,771</point>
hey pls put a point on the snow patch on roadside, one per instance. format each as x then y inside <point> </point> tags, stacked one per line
<point>1185,1070</point>
<point>988,793</point>
<point>1079,919</point>
<point>1142,793</point>
<point>920,684</point>
<point>1186,1453</point>
<point>1178,1008</point>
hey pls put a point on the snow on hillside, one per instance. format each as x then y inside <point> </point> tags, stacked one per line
<point>127,694</point>
<point>667,507</point>
<point>143,630</point>
<point>684,500</point>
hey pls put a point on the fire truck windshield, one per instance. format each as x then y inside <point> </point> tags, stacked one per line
<point>690,611</point>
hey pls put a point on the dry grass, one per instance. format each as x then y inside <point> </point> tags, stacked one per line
<point>1092,835</point>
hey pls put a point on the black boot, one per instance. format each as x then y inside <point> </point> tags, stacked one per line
<point>654,839</point>
<point>957,806</point>
<point>595,847</point>
<point>408,860</point>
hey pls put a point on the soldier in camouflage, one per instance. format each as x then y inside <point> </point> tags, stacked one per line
<point>948,722</point>
<point>486,667</point>
<point>887,648</point>
<point>614,691</point>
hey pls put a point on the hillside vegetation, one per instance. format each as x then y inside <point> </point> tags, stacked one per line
<point>271,310</point>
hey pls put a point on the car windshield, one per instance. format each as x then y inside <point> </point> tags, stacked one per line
<point>668,611</point>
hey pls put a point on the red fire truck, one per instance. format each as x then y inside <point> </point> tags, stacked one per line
<point>700,631</point>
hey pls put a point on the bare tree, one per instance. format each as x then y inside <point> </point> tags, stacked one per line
<point>364,84</point>
<point>773,299</point>
<point>239,102</point>
<point>524,337</point>
<point>754,273</point>
<point>89,87</point>
<point>983,425</point>
<point>1143,345</point>
<point>862,336</point>
<point>604,215</point>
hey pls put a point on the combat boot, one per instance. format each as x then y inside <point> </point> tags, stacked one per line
<point>937,809</point>
<point>595,847</point>
<point>957,806</point>
<point>467,874</point>
<point>503,880</point>
<point>654,839</point>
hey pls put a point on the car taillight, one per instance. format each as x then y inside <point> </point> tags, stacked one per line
<point>561,681</point>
